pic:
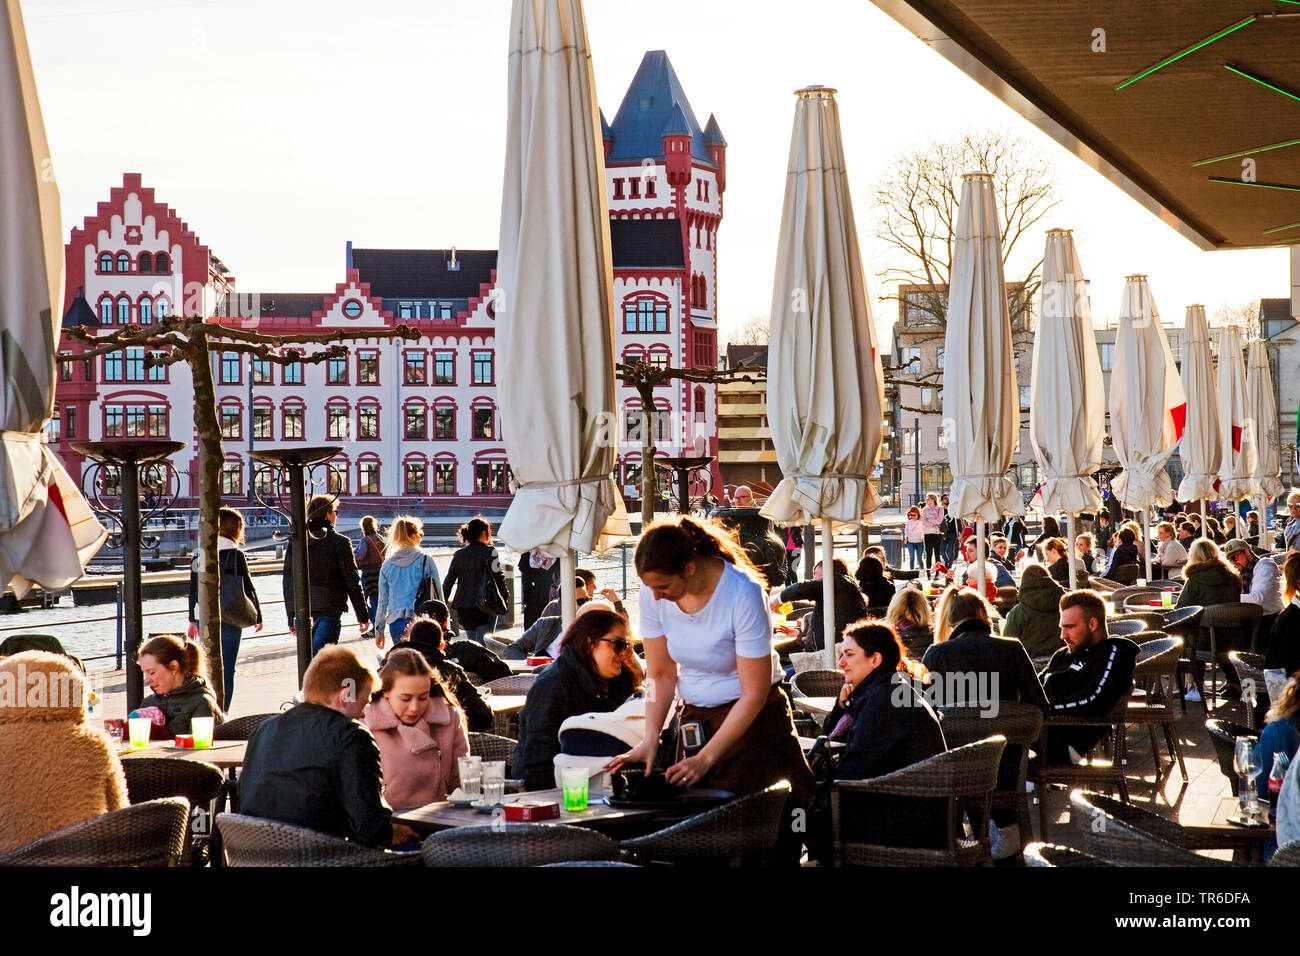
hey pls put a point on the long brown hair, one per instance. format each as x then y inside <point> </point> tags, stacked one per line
<point>166,648</point>
<point>408,662</point>
<point>1291,575</point>
<point>668,545</point>
<point>586,629</point>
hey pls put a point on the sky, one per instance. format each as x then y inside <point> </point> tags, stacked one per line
<point>281,129</point>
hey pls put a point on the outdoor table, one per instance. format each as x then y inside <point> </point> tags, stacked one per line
<point>1218,833</point>
<point>442,815</point>
<point>819,707</point>
<point>523,667</point>
<point>224,754</point>
<point>503,706</point>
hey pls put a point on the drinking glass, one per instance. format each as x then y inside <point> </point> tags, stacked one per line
<point>574,781</point>
<point>201,728</point>
<point>116,730</point>
<point>1141,582</point>
<point>1245,761</point>
<point>1167,598</point>
<point>494,782</point>
<point>139,730</point>
<point>471,775</point>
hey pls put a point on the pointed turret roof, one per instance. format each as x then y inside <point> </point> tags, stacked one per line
<point>649,106</point>
<point>80,313</point>
<point>676,125</point>
<point>713,133</point>
<point>605,131</point>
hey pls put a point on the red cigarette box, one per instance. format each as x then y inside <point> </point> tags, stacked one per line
<point>531,811</point>
<point>184,740</point>
<point>537,661</point>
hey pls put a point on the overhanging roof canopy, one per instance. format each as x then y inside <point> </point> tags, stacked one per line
<point>1225,88</point>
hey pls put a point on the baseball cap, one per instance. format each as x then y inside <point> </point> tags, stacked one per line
<point>1235,545</point>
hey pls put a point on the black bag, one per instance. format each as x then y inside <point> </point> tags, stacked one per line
<point>425,591</point>
<point>237,608</point>
<point>490,600</point>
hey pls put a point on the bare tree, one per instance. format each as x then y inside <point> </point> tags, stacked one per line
<point>919,197</point>
<point>757,331</point>
<point>193,341</point>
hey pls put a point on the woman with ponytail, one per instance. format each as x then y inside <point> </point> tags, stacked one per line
<point>708,638</point>
<point>173,668</point>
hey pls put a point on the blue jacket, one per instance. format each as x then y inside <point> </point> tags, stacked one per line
<point>399,581</point>
<point>1281,736</point>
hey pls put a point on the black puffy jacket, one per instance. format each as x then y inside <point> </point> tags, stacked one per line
<point>565,689</point>
<point>332,573</point>
<point>317,768</point>
<point>850,606</point>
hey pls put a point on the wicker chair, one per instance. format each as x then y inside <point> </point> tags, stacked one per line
<point>1287,855</point>
<point>817,683</point>
<point>1116,628</point>
<point>144,834</point>
<point>1221,620</point>
<point>1146,637</point>
<point>1151,618</point>
<point>239,728</point>
<point>518,844</point>
<point>1021,724</point>
<point>513,685</point>
<point>965,776</point>
<point>1156,672</point>
<point>800,611</point>
<point>1250,669</point>
<point>253,841</point>
<point>1223,735</point>
<point>1184,622</point>
<point>745,827</point>
<point>149,778</point>
<point>1107,772</point>
<point>1126,574</point>
<point>1049,854</point>
<point>1103,585</point>
<point>1126,835</point>
<point>1121,595</point>
<point>492,747</point>
<point>1140,599</point>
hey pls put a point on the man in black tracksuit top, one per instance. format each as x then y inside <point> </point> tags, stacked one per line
<point>1088,676</point>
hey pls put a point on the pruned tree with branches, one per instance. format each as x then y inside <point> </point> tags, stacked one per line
<point>919,195</point>
<point>192,341</point>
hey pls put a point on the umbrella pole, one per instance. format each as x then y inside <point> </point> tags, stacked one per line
<point>1146,540</point>
<point>981,552</point>
<point>1069,550</point>
<point>1262,508</point>
<point>828,593</point>
<point>568,600</point>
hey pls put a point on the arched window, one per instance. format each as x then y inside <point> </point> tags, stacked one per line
<point>106,262</point>
<point>105,310</point>
<point>645,312</point>
<point>699,403</point>
<point>146,311</point>
<point>146,263</point>
<point>123,262</point>
<point>161,264</point>
<point>123,310</point>
<point>160,306</point>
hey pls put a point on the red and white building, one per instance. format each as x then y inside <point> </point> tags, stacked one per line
<point>416,420</point>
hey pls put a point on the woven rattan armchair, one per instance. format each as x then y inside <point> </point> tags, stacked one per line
<point>1287,855</point>
<point>1156,672</point>
<point>149,778</point>
<point>1223,735</point>
<point>516,844</point>
<point>1116,628</point>
<point>1140,599</point>
<point>1125,835</point>
<point>1050,854</point>
<point>1021,724</point>
<point>745,827</point>
<point>513,685</point>
<point>1105,771</point>
<point>1126,574</point>
<point>1103,585</point>
<point>965,776</point>
<point>492,747</point>
<point>253,841</point>
<point>817,683</point>
<point>1250,671</point>
<point>239,728</point>
<point>1120,596</point>
<point>144,834</point>
<point>1221,621</point>
<point>1151,619</point>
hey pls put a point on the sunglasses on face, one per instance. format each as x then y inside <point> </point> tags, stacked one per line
<point>620,644</point>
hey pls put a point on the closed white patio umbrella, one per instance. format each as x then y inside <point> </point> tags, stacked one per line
<point>981,406</point>
<point>1261,409</point>
<point>1148,410</point>
<point>47,531</point>
<point>1200,451</point>
<point>825,389</point>
<point>555,307</point>
<point>1067,417</point>
<point>1237,458</point>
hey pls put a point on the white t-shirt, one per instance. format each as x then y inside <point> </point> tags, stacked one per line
<point>705,645</point>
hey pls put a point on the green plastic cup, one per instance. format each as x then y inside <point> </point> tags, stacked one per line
<point>574,782</point>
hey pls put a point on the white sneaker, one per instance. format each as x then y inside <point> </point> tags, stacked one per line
<point>1192,694</point>
<point>1004,841</point>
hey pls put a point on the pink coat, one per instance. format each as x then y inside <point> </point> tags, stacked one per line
<point>419,762</point>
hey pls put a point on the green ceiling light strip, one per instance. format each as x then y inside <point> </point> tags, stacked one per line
<point>1254,149</point>
<point>1288,226</point>
<point>1191,49</point>
<point>1261,81</point>
<point>1238,182</point>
